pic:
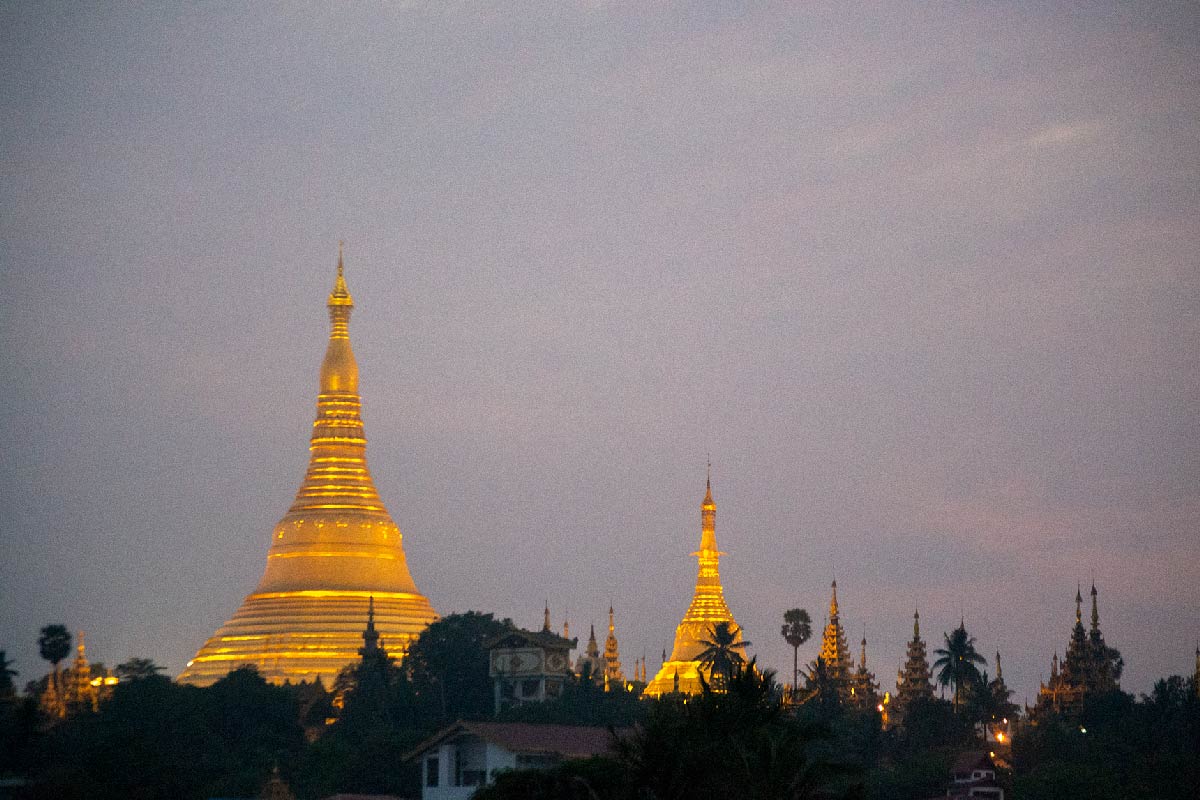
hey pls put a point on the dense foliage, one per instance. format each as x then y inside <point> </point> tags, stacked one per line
<point>154,738</point>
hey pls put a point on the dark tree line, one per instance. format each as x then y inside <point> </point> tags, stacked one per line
<point>157,739</point>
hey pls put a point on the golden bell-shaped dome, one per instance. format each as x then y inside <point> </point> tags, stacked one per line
<point>334,549</point>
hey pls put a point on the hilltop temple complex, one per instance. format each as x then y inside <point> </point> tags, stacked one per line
<point>1090,668</point>
<point>682,671</point>
<point>335,548</point>
<point>855,686</point>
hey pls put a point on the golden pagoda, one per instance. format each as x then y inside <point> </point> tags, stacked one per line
<point>834,650</point>
<point>682,671</point>
<point>334,549</point>
<point>613,676</point>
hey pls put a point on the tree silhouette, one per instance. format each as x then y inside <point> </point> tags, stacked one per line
<point>956,662</point>
<point>797,629</point>
<point>722,651</point>
<point>136,669</point>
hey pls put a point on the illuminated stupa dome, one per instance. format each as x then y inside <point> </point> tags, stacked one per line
<point>335,549</point>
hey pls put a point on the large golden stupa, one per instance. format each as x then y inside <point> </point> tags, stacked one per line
<point>334,550</point>
<point>682,671</point>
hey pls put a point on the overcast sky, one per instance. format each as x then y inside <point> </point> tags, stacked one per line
<point>922,279</point>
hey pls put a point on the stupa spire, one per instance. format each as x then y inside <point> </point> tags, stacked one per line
<point>370,635</point>
<point>707,608</point>
<point>336,546</point>
<point>546,619</point>
<point>1095,609</point>
<point>1078,604</point>
<point>612,654</point>
<point>834,650</point>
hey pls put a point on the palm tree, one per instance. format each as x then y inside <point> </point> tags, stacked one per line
<point>136,669</point>
<point>722,651</point>
<point>54,644</point>
<point>956,662</point>
<point>797,629</point>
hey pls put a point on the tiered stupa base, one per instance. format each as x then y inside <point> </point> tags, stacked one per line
<point>300,636</point>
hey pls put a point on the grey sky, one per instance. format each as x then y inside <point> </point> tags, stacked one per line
<point>922,278</point>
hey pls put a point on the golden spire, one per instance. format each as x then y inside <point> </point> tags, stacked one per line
<point>863,660</point>
<point>707,608</point>
<point>566,628</point>
<point>612,655</point>
<point>335,547</point>
<point>916,624</point>
<point>834,650</point>
<point>546,620</point>
<point>1078,604</point>
<point>1095,611</point>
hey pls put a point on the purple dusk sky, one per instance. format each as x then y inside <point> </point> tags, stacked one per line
<point>923,279</point>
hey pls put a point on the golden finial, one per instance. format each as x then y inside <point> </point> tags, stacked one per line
<point>708,498</point>
<point>916,624</point>
<point>833,606</point>
<point>340,296</point>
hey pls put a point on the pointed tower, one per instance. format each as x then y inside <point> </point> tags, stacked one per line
<point>612,656</point>
<point>335,548</point>
<point>913,682</point>
<point>590,665</point>
<point>864,691</point>
<point>372,644</point>
<point>1101,678</point>
<point>81,694</point>
<point>1090,667</point>
<point>707,608</point>
<point>839,666</point>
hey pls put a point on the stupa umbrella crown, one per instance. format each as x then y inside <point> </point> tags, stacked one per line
<point>334,549</point>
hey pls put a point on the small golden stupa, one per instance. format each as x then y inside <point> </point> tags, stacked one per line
<point>681,672</point>
<point>335,549</point>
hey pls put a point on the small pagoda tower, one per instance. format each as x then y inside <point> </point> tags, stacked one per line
<point>590,665</point>
<point>81,695</point>
<point>913,681</point>
<point>683,670</point>
<point>336,547</point>
<point>613,676</point>
<point>864,690</point>
<point>839,665</point>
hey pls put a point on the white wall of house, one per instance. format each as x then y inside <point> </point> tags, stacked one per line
<point>462,765</point>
